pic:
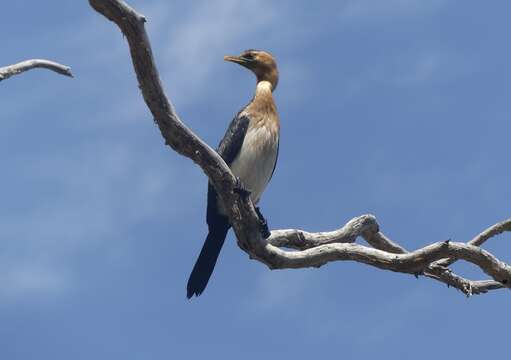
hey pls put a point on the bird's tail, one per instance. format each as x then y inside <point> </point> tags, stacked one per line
<point>205,264</point>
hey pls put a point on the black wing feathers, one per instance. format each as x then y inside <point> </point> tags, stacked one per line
<point>276,159</point>
<point>230,145</point>
<point>218,224</point>
<point>228,149</point>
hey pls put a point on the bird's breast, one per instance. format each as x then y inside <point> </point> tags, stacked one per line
<point>256,160</point>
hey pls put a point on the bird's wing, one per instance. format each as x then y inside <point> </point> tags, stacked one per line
<point>218,223</point>
<point>230,145</point>
<point>276,159</point>
<point>228,149</point>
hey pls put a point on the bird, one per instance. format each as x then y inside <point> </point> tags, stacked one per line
<point>250,148</point>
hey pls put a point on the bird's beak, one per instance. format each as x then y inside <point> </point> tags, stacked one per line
<point>236,59</point>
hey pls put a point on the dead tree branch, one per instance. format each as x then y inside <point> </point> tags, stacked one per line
<point>304,249</point>
<point>8,71</point>
<point>480,239</point>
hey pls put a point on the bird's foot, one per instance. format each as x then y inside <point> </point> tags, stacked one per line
<point>240,188</point>
<point>418,273</point>
<point>263,225</point>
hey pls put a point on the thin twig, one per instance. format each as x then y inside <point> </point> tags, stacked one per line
<point>8,71</point>
<point>481,238</point>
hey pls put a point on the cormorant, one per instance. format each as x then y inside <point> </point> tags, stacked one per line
<point>250,148</point>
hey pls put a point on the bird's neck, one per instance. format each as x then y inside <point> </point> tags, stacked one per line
<point>271,76</point>
<point>263,99</point>
<point>263,88</point>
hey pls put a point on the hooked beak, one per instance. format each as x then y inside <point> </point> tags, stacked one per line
<point>237,59</point>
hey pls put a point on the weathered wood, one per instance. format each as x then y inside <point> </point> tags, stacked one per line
<point>8,71</point>
<point>310,249</point>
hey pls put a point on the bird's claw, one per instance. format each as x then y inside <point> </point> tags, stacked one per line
<point>240,188</point>
<point>263,225</point>
<point>418,273</point>
<point>263,228</point>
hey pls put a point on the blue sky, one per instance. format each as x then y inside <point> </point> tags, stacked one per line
<point>397,108</point>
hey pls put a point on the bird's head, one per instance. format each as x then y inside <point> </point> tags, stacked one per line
<point>261,63</point>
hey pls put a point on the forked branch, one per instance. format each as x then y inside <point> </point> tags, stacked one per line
<point>297,248</point>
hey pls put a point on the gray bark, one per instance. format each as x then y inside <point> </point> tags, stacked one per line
<point>8,71</point>
<point>307,249</point>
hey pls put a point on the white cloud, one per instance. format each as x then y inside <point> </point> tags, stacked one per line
<point>29,280</point>
<point>365,9</point>
<point>426,67</point>
<point>415,301</point>
<point>277,289</point>
<point>412,69</point>
<point>97,193</point>
<point>197,41</point>
<point>432,65</point>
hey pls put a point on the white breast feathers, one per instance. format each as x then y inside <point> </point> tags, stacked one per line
<point>255,162</point>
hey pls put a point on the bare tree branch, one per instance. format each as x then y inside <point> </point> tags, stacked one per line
<point>301,240</point>
<point>436,270</point>
<point>367,227</point>
<point>306,249</point>
<point>468,287</point>
<point>8,71</point>
<point>480,239</point>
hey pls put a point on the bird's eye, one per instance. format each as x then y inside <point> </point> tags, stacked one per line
<point>249,56</point>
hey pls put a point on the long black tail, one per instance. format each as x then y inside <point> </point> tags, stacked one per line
<point>206,261</point>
